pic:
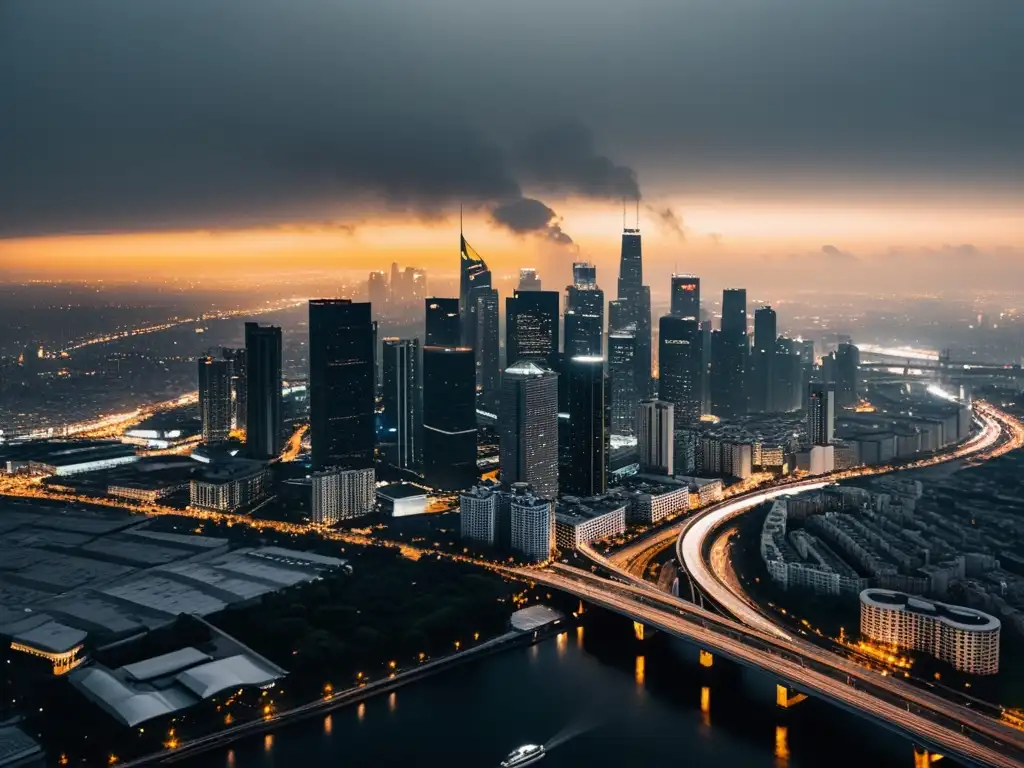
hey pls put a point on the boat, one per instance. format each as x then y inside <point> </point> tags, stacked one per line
<point>524,755</point>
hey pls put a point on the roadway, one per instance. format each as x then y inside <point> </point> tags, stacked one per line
<point>929,720</point>
<point>1000,434</point>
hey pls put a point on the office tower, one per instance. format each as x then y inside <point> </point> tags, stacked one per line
<point>586,471</point>
<point>762,375</point>
<point>679,366</point>
<point>729,357</point>
<point>342,397</point>
<point>685,300</point>
<point>215,399</point>
<point>584,313</point>
<point>637,307</point>
<point>705,363</point>
<point>528,279</point>
<point>656,436</point>
<point>377,289</point>
<point>533,526</point>
<point>821,413</point>
<point>262,390</point>
<point>342,494</point>
<point>473,273</point>
<point>237,359</point>
<point>415,285</point>
<point>788,385</point>
<point>847,375</point>
<point>488,348</point>
<point>449,417</point>
<point>531,327</point>
<point>443,328</point>
<point>478,514</point>
<point>622,395</point>
<point>395,288</point>
<point>528,427</point>
<point>401,414</point>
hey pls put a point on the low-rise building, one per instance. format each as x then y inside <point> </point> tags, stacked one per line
<point>579,522</point>
<point>230,486</point>
<point>402,499</point>
<point>965,638</point>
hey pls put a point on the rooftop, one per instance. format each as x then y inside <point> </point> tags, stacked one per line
<point>397,491</point>
<point>954,615</point>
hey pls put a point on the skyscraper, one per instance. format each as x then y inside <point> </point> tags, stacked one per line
<point>237,359</point>
<point>622,395</point>
<point>531,327</point>
<point>847,375</point>
<point>528,426</point>
<point>587,467</point>
<point>637,306</point>
<point>584,313</point>
<point>473,273</point>
<point>449,417</point>
<point>401,415</point>
<point>763,376</point>
<point>656,440</point>
<point>263,390</point>
<point>729,352</point>
<point>679,366</point>
<point>685,300</point>
<point>488,348</point>
<point>377,289</point>
<point>341,384</point>
<point>821,413</point>
<point>528,279</point>
<point>215,399</point>
<point>478,514</point>
<point>443,328</point>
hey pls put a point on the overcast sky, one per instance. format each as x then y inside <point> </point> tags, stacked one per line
<point>129,115</point>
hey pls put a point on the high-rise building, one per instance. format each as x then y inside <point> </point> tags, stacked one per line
<point>729,353</point>
<point>478,514</point>
<point>587,467</point>
<point>488,348</point>
<point>622,395</point>
<point>263,390</point>
<point>342,399</point>
<point>788,386</point>
<point>443,328</point>
<point>762,375</point>
<point>533,526</point>
<point>531,328</point>
<point>847,375</point>
<point>680,377</point>
<point>449,417</point>
<point>528,280</point>
<point>656,440</point>
<point>473,273</point>
<point>636,307</point>
<point>685,300</point>
<point>821,413</point>
<point>342,494</point>
<point>401,413</point>
<point>584,313</point>
<point>396,289</point>
<point>237,359</point>
<point>215,399</point>
<point>416,285</point>
<point>377,288</point>
<point>528,427</point>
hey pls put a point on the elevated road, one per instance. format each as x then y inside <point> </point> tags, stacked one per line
<point>928,720</point>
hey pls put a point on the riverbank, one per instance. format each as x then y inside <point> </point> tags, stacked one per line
<point>347,697</point>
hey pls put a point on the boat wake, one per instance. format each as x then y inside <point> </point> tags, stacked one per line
<point>581,725</point>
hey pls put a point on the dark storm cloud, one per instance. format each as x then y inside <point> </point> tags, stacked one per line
<point>527,215</point>
<point>669,220</point>
<point>563,158</point>
<point>120,114</point>
<point>833,252</point>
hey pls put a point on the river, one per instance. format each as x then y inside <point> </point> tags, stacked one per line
<point>597,698</point>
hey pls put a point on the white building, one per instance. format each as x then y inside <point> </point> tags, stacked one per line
<point>533,527</point>
<point>656,441</point>
<point>478,514</point>
<point>342,494</point>
<point>579,524</point>
<point>230,487</point>
<point>963,637</point>
<point>653,498</point>
<point>709,490</point>
<point>402,500</point>
<point>817,459</point>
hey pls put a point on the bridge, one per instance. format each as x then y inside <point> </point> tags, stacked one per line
<point>886,359</point>
<point>929,721</point>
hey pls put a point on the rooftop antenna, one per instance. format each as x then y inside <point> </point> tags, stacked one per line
<point>623,213</point>
<point>638,213</point>
<point>460,219</point>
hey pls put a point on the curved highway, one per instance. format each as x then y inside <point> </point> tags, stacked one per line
<point>1000,434</point>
